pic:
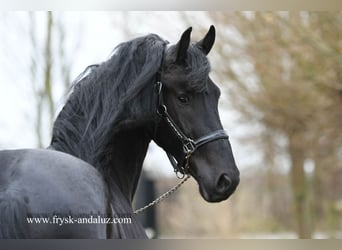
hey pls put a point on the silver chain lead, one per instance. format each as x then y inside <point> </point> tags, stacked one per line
<point>172,190</point>
<point>163,196</point>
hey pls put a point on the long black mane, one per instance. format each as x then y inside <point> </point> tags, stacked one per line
<point>103,96</point>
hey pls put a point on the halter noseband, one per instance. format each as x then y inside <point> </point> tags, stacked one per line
<point>189,145</point>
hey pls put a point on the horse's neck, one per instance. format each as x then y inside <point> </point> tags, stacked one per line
<point>126,158</point>
<point>121,160</point>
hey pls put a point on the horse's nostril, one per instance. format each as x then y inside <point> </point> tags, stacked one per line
<point>223,184</point>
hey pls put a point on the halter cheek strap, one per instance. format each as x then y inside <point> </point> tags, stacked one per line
<point>189,145</point>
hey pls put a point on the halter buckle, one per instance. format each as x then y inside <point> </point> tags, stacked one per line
<point>189,147</point>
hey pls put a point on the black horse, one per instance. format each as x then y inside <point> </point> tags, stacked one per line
<point>147,90</point>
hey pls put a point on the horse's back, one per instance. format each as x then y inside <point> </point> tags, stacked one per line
<point>45,182</point>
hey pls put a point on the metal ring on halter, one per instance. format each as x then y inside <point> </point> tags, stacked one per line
<point>179,174</point>
<point>161,110</point>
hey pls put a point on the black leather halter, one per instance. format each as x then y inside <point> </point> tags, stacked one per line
<point>189,145</point>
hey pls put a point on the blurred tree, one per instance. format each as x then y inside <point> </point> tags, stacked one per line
<point>286,69</point>
<point>49,64</point>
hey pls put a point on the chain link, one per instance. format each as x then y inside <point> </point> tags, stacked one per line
<point>163,196</point>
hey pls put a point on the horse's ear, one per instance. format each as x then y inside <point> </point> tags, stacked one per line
<point>208,41</point>
<point>183,45</point>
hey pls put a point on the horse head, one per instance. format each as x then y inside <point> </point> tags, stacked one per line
<point>190,129</point>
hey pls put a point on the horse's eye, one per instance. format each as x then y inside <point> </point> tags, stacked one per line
<point>183,98</point>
